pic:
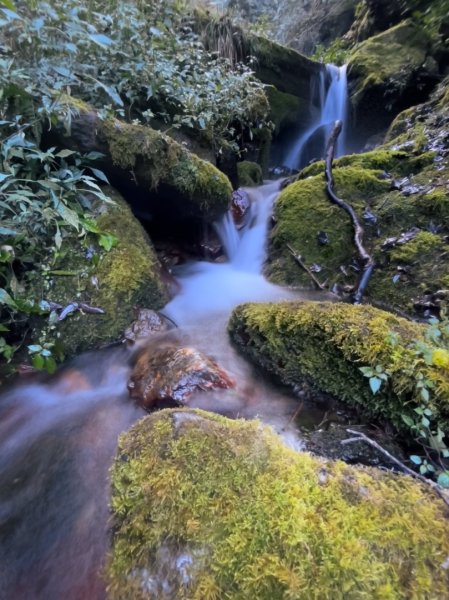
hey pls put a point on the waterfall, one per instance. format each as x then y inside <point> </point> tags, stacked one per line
<point>333,106</point>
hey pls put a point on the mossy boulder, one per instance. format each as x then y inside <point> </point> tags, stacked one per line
<point>325,344</point>
<point>149,164</point>
<point>250,173</point>
<point>284,68</point>
<point>205,507</point>
<point>119,281</point>
<point>388,73</point>
<point>393,190</point>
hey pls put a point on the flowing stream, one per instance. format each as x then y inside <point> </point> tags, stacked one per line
<point>332,92</point>
<point>58,436</point>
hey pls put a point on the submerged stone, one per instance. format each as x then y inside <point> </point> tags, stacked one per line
<point>205,507</point>
<point>169,373</point>
<point>147,323</point>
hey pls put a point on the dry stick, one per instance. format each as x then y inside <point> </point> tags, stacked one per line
<point>367,259</point>
<point>300,262</point>
<point>362,437</point>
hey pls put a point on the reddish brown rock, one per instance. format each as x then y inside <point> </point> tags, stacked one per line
<point>240,204</point>
<point>174,374</point>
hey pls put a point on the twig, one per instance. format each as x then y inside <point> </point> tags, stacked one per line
<point>366,258</point>
<point>300,262</point>
<point>361,437</point>
<point>295,414</point>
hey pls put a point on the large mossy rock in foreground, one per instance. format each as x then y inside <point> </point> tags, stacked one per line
<point>326,344</point>
<point>149,165</point>
<point>205,507</point>
<point>118,281</point>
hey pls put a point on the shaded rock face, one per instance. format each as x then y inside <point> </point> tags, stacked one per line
<point>206,507</point>
<point>169,373</point>
<point>388,73</point>
<point>302,24</point>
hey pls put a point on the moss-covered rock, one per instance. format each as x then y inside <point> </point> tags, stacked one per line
<point>392,189</point>
<point>389,72</point>
<point>118,281</point>
<point>151,160</point>
<point>326,343</point>
<point>286,110</point>
<point>303,211</point>
<point>250,173</point>
<point>205,507</point>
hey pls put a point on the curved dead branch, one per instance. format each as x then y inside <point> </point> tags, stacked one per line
<point>366,259</point>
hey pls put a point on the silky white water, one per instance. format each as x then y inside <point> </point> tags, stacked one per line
<point>333,106</point>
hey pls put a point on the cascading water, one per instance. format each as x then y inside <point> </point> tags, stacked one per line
<point>58,437</point>
<point>333,106</point>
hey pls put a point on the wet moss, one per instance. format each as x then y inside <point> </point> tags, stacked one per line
<point>126,277</point>
<point>206,508</point>
<point>303,211</point>
<point>249,173</point>
<point>326,343</point>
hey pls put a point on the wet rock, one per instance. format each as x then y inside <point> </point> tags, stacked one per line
<point>208,507</point>
<point>240,204</point>
<point>174,374</point>
<point>282,171</point>
<point>401,239</point>
<point>147,323</point>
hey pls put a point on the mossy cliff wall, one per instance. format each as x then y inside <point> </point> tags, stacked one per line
<point>325,344</point>
<point>208,508</point>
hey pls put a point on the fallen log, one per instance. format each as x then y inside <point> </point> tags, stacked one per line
<point>366,259</point>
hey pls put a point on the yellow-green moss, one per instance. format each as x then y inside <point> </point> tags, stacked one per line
<point>326,344</point>
<point>158,159</point>
<point>208,508</point>
<point>127,276</point>
<point>303,210</point>
<point>249,173</point>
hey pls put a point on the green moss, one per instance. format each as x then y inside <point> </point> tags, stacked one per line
<point>388,59</point>
<point>249,173</point>
<point>303,210</point>
<point>208,508</point>
<point>424,243</point>
<point>286,110</point>
<point>157,159</point>
<point>325,344</point>
<point>126,277</point>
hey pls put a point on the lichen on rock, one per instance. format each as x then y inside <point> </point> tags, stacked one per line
<point>205,507</point>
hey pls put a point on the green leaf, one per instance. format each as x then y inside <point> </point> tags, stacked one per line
<point>443,479</point>
<point>65,153</point>
<point>425,422</point>
<point>7,231</point>
<point>50,364</point>
<point>8,4</point>
<point>4,176</point>
<point>107,241</point>
<point>425,394</point>
<point>38,361</point>
<point>5,298</point>
<point>375,384</point>
<point>99,174</point>
<point>416,459</point>
<point>408,420</point>
<point>3,328</point>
